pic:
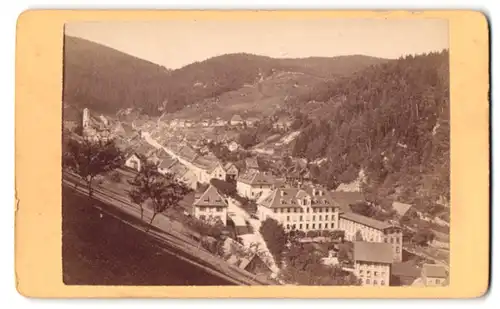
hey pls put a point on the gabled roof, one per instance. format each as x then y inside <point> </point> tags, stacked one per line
<point>228,165</point>
<point>376,252</point>
<point>178,169</point>
<point>401,208</point>
<point>405,269</point>
<point>167,162</point>
<point>211,197</point>
<point>256,178</point>
<point>251,163</point>
<point>206,163</point>
<point>434,271</point>
<point>188,154</point>
<point>367,221</point>
<point>236,118</point>
<point>285,197</point>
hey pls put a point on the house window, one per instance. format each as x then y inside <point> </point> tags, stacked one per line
<point>382,282</point>
<point>326,217</point>
<point>367,281</point>
<point>314,225</point>
<point>375,273</point>
<point>314,218</point>
<point>307,210</point>
<point>288,226</point>
<point>374,282</point>
<point>315,210</point>
<point>300,226</point>
<point>327,209</point>
<point>287,218</point>
<point>320,218</point>
<point>300,218</point>
<point>319,225</point>
<point>307,226</point>
<point>275,210</point>
<point>368,273</point>
<point>437,281</point>
<point>295,210</point>
<point>397,249</point>
<point>321,210</point>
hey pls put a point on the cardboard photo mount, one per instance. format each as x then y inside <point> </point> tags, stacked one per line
<point>39,61</point>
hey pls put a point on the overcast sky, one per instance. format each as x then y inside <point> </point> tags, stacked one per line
<point>177,43</point>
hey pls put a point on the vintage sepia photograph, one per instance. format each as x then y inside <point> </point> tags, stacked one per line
<point>306,152</point>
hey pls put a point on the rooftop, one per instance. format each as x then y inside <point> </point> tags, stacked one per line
<point>405,269</point>
<point>434,271</point>
<point>367,221</point>
<point>167,162</point>
<point>345,199</point>
<point>285,197</point>
<point>256,178</point>
<point>401,208</point>
<point>251,163</point>
<point>210,197</point>
<point>376,252</point>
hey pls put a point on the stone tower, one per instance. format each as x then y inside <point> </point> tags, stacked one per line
<point>86,119</point>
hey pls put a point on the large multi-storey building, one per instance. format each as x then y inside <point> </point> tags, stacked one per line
<point>372,230</point>
<point>305,209</point>
<point>372,263</point>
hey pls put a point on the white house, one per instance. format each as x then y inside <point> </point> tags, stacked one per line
<point>372,263</point>
<point>233,146</point>
<point>218,172</point>
<point>134,162</point>
<point>211,206</point>
<point>254,183</point>
<point>434,275</point>
<point>305,209</point>
<point>231,171</point>
<point>236,120</point>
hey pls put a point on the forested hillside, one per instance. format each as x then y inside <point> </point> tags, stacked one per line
<point>108,80</point>
<point>392,121</point>
<point>105,79</point>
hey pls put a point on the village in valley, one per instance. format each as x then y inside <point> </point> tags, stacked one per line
<point>265,156</point>
<point>260,211</point>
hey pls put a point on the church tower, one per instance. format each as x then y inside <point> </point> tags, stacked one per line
<point>86,119</point>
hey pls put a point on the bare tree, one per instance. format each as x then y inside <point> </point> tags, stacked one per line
<point>89,158</point>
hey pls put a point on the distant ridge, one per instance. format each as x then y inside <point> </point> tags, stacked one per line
<point>105,79</point>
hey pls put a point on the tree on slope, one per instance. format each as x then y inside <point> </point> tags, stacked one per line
<point>275,237</point>
<point>155,190</point>
<point>90,158</point>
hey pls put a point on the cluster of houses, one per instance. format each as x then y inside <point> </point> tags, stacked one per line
<point>378,245</point>
<point>181,161</point>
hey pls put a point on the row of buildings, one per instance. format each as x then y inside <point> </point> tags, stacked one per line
<point>378,245</point>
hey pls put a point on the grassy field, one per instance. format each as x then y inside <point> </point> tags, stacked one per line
<point>99,249</point>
